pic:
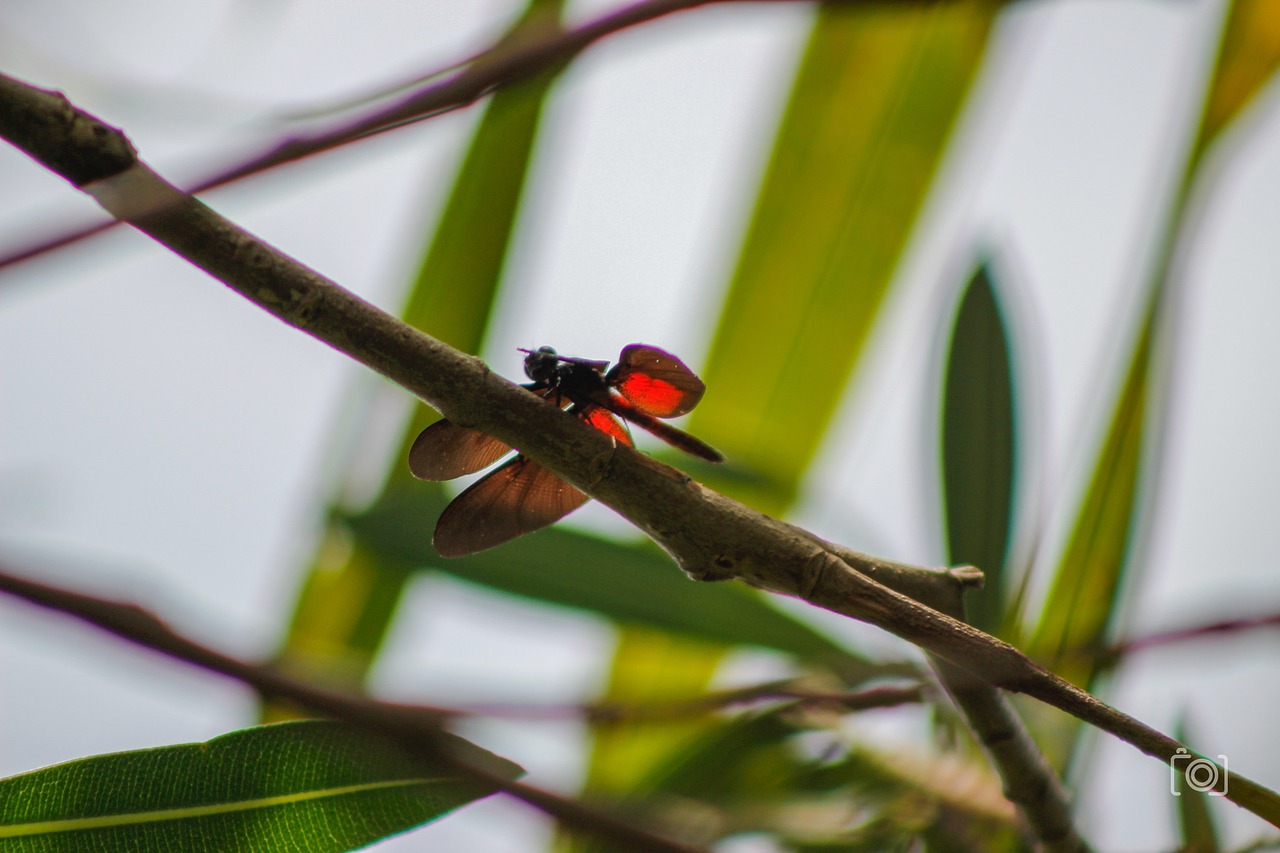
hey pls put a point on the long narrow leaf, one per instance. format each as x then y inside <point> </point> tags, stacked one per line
<point>349,597</point>
<point>979,446</point>
<point>626,583</point>
<point>456,287</point>
<point>1247,61</point>
<point>1083,599</point>
<point>1085,592</point>
<point>306,785</point>
<point>648,666</point>
<point>876,95</point>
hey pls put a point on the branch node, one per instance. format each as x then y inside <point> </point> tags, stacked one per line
<point>814,570</point>
<point>969,577</point>
<point>71,142</point>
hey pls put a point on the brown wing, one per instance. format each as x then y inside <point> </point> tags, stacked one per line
<point>517,498</point>
<point>655,381</point>
<point>445,450</point>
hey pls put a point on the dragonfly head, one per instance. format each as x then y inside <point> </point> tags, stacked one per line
<point>541,364</point>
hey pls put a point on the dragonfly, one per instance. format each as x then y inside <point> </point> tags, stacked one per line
<point>644,387</point>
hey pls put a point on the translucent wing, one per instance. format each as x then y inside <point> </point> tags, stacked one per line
<point>517,498</point>
<point>655,381</point>
<point>445,450</point>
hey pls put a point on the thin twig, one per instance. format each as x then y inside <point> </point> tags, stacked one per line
<point>509,61</point>
<point>796,694</point>
<point>789,691</point>
<point>1106,656</point>
<point>1223,627</point>
<point>711,536</point>
<point>418,728</point>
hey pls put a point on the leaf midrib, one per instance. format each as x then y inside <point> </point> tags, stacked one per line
<point>107,821</point>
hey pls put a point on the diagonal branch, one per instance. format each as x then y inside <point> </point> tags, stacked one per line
<point>709,535</point>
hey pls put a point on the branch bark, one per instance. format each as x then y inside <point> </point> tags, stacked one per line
<point>710,536</point>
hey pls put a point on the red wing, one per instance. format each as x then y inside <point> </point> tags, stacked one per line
<point>445,450</point>
<point>655,381</point>
<point>517,498</point>
<point>607,422</point>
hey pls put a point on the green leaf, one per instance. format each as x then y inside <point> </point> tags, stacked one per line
<point>349,597</point>
<point>627,754</point>
<point>876,95</point>
<point>630,583</point>
<point>754,769</point>
<point>714,763</point>
<point>874,98</point>
<point>1247,59</point>
<point>1085,590</point>
<point>456,287</point>
<point>746,756</point>
<point>307,785</point>
<point>1085,593</point>
<point>928,801</point>
<point>648,667</point>
<point>346,602</point>
<point>979,446</point>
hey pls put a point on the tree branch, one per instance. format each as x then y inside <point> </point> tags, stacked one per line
<point>709,535</point>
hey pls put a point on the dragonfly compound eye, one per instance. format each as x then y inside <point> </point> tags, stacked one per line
<point>540,364</point>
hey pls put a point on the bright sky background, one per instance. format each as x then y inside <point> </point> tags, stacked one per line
<point>163,440</point>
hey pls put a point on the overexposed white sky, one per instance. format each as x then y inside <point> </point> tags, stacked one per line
<point>163,440</point>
